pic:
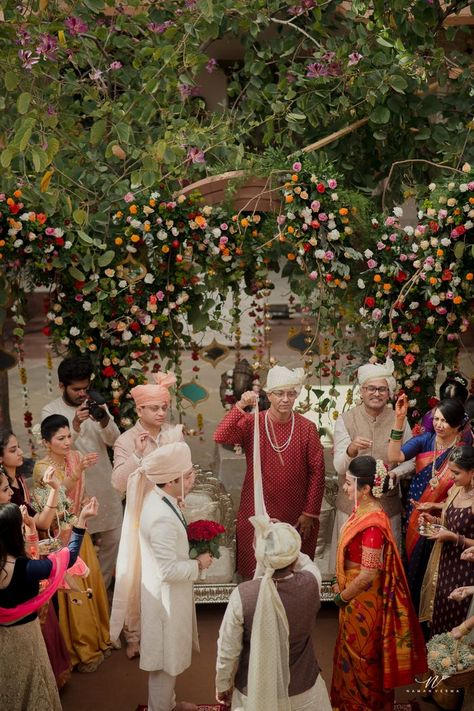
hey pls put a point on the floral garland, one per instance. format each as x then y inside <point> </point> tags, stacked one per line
<point>161,272</point>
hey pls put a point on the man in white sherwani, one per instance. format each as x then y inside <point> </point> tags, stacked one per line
<point>168,616</point>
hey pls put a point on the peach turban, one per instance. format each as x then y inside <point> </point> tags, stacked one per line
<point>154,393</point>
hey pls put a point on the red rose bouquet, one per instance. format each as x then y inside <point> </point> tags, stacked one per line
<point>204,537</point>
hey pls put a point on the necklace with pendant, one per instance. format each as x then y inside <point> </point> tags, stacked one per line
<point>275,446</point>
<point>434,481</point>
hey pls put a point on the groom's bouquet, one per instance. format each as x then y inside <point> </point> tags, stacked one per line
<point>205,537</point>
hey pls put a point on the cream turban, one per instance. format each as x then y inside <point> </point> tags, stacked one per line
<point>372,371</point>
<point>154,393</point>
<point>167,463</point>
<point>280,377</point>
<point>277,545</point>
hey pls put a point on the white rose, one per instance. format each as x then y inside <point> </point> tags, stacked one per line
<point>58,320</point>
<point>434,242</point>
<point>414,305</point>
<point>408,230</point>
<point>334,197</point>
<point>424,244</point>
<point>398,211</point>
<point>445,241</point>
<point>368,254</point>
<point>67,244</point>
<point>149,278</point>
<point>452,202</point>
<point>432,186</point>
<point>74,331</point>
<point>86,305</point>
<point>126,335</point>
<point>463,187</point>
<point>360,284</point>
<point>435,300</point>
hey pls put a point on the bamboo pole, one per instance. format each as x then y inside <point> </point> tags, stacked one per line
<point>333,136</point>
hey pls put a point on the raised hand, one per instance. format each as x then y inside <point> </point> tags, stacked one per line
<point>50,479</point>
<point>401,407</point>
<point>248,399</point>
<point>27,519</point>
<point>88,511</point>
<point>140,443</point>
<point>88,460</point>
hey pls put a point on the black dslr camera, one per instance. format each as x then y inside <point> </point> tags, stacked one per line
<point>93,402</point>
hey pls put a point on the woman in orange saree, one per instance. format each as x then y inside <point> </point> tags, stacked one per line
<point>380,644</point>
<point>433,478</point>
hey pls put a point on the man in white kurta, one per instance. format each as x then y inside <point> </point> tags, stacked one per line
<point>89,435</point>
<point>168,617</point>
<point>265,657</point>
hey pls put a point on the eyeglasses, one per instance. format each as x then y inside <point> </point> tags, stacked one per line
<point>280,394</point>
<point>372,389</point>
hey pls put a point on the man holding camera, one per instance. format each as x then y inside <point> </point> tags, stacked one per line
<point>93,430</point>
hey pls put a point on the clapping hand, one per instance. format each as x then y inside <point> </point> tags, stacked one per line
<point>88,460</point>
<point>468,554</point>
<point>401,406</point>
<point>50,479</point>
<point>88,511</point>
<point>27,519</point>
<point>461,593</point>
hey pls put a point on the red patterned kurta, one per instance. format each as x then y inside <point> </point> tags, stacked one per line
<point>289,490</point>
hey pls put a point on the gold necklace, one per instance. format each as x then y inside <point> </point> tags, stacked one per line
<point>434,481</point>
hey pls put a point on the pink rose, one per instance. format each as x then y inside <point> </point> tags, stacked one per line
<point>129,197</point>
<point>332,183</point>
<point>371,263</point>
<point>297,167</point>
<point>315,205</point>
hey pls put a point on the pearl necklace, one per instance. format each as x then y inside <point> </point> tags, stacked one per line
<point>434,481</point>
<point>277,447</point>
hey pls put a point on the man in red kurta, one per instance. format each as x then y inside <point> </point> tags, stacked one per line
<point>292,463</point>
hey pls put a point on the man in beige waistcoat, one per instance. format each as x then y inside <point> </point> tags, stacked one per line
<point>365,429</point>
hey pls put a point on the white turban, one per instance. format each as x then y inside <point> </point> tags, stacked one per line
<point>280,377</point>
<point>277,545</point>
<point>373,371</point>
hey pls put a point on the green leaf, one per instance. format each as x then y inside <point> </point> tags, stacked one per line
<point>84,237</point>
<point>39,158</point>
<point>293,116</point>
<point>11,80</point>
<point>124,132</point>
<point>98,131</point>
<point>23,102</point>
<point>398,83</point>
<point>459,250</point>
<point>80,216</point>
<point>94,5</point>
<point>106,258</point>
<point>160,149</point>
<point>76,274</point>
<point>23,134</point>
<point>7,156</point>
<point>383,42</point>
<point>380,115</point>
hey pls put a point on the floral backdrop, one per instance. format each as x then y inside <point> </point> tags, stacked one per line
<point>163,270</point>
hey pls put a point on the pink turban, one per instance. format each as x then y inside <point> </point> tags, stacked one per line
<point>154,394</point>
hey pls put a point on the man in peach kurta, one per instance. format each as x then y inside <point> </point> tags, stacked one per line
<point>150,431</point>
<point>292,464</point>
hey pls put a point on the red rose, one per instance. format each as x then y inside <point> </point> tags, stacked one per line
<point>369,302</point>
<point>306,246</point>
<point>401,276</point>
<point>409,359</point>
<point>447,275</point>
<point>59,241</point>
<point>135,326</point>
<point>129,299</point>
<point>109,372</point>
<point>329,277</point>
<point>315,224</point>
<point>460,229</point>
<point>14,209</point>
<point>78,285</point>
<point>204,530</point>
<point>46,330</point>
<point>432,402</point>
<point>320,187</point>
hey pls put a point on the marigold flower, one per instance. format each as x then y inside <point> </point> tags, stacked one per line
<point>152,202</point>
<point>457,300</point>
<point>377,278</point>
<point>343,211</point>
<point>10,201</point>
<point>157,339</point>
<point>291,257</point>
<point>433,280</point>
<point>119,214</point>
<point>165,249</point>
<point>290,230</point>
<point>200,221</point>
<point>244,222</point>
<point>294,178</point>
<point>133,209</point>
<point>469,275</point>
<point>439,252</point>
<point>118,241</point>
<point>289,198</point>
<point>387,287</point>
<point>17,193</point>
<point>2,244</point>
<point>135,238</point>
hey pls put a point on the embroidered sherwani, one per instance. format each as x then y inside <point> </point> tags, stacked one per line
<point>293,481</point>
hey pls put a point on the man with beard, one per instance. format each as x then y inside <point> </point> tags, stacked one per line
<point>365,429</point>
<point>92,431</point>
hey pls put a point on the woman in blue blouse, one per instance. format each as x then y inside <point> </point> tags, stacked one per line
<point>26,678</point>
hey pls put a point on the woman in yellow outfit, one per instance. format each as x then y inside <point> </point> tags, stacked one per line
<point>84,611</point>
